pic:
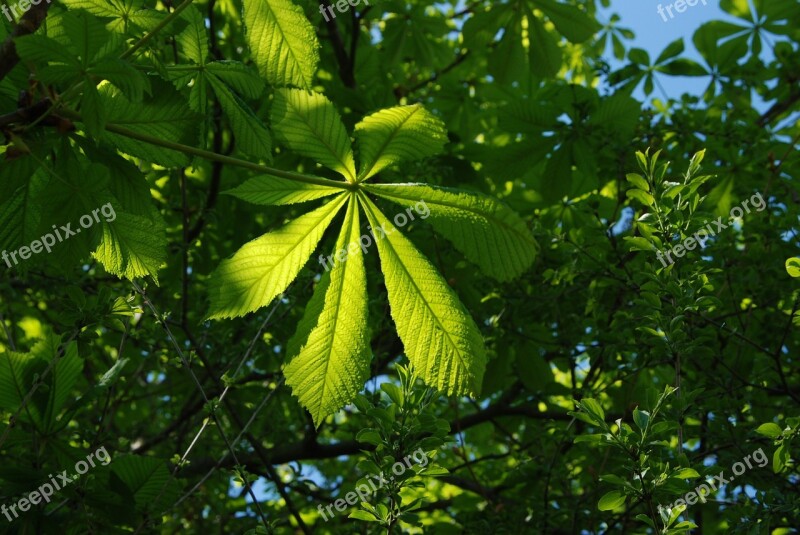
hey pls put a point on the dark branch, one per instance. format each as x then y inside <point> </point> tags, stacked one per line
<point>27,25</point>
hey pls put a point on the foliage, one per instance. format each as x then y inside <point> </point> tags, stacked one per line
<point>216,146</point>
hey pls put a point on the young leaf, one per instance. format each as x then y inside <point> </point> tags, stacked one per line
<point>395,134</point>
<point>271,191</point>
<point>265,267</point>
<point>641,418</point>
<point>485,230</point>
<point>440,338</point>
<point>611,500</point>
<point>311,126</point>
<point>793,267</point>
<point>282,42</point>
<point>770,430</point>
<point>333,364</point>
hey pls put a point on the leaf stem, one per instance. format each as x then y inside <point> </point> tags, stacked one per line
<point>214,157</point>
<point>146,38</point>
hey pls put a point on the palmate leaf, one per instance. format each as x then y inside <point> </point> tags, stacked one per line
<point>264,267</point>
<point>438,334</point>
<point>486,231</point>
<point>311,126</point>
<point>395,134</point>
<point>147,479</point>
<point>282,42</point>
<point>18,373</point>
<point>333,364</point>
<point>123,14</point>
<point>272,191</point>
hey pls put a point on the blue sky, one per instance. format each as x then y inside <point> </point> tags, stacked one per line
<point>654,34</point>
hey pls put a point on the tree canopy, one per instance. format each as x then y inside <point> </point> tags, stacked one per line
<point>273,266</point>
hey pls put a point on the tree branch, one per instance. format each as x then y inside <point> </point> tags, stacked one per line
<point>27,25</point>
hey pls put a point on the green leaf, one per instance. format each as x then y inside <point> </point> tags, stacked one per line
<point>18,372</point>
<point>166,117</point>
<point>638,181</point>
<point>369,436</point>
<point>395,134</point>
<point>637,243</point>
<point>780,458</point>
<point>611,500</point>
<point>92,111</point>
<point>193,40</point>
<point>440,338</point>
<point>243,80</point>
<point>641,196</point>
<point>596,438</point>
<point>686,473</point>
<point>641,418</point>
<point>16,378</point>
<point>639,56</point>
<point>123,75</point>
<point>673,49</point>
<point>310,125</point>
<point>63,377</point>
<point>544,55</point>
<point>101,8</point>
<point>20,212</point>
<point>485,230</point>
<point>333,364</point>
<point>264,267</point>
<point>132,246</point>
<point>283,43</point>
<point>793,267</point>
<point>570,21</point>
<point>594,408</point>
<point>769,430</point>
<point>252,136</point>
<point>683,67</point>
<point>87,36</point>
<point>358,514</point>
<point>271,191</point>
<point>147,479</point>
<point>646,519</point>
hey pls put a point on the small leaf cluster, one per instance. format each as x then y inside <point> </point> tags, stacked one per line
<point>782,460</point>
<point>641,450</point>
<point>401,422</point>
